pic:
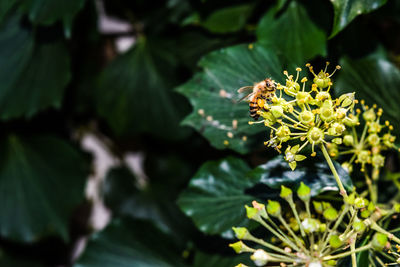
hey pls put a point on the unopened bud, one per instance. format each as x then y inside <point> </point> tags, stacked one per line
<point>379,241</point>
<point>304,192</point>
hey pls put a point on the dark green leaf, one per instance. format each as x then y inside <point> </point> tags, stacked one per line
<point>46,12</point>
<point>213,93</point>
<point>134,92</point>
<point>228,19</point>
<point>41,182</point>
<point>315,174</point>
<point>347,10</point>
<point>377,81</point>
<point>156,202</point>
<point>32,76</point>
<point>5,7</point>
<point>130,243</point>
<point>201,260</point>
<point>293,34</point>
<point>215,197</point>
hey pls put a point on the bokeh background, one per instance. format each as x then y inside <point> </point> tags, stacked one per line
<point>109,107</point>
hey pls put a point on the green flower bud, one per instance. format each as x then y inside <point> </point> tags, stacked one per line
<point>318,207</point>
<point>283,133</point>
<point>365,214</point>
<point>388,140</point>
<point>321,96</point>
<point>252,213</point>
<point>310,225</point>
<point>396,207</point>
<point>322,227</point>
<point>341,113</point>
<point>240,232</point>
<point>277,111</point>
<point>286,193</point>
<point>304,192</point>
<point>363,156</point>
<point>378,161</point>
<point>291,88</point>
<point>269,118</point>
<point>240,247</point>
<point>335,241</point>
<point>293,224</point>
<point>241,265</point>
<point>333,150</point>
<point>346,99</point>
<point>302,98</point>
<point>374,127</point>
<point>330,214</point>
<point>337,141</point>
<point>360,202</point>
<point>260,257</point>
<point>331,263</point>
<point>348,140</point>
<point>306,117</point>
<point>351,120</point>
<point>373,139</point>
<point>351,199</point>
<point>369,115</point>
<point>326,112</point>
<point>359,226</point>
<point>315,135</point>
<point>371,207</point>
<point>379,241</point>
<point>274,208</point>
<point>322,80</point>
<point>336,129</point>
<point>347,167</point>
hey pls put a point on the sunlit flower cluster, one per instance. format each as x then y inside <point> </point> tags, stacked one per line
<point>308,115</point>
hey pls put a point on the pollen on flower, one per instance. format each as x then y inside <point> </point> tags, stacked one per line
<point>229,134</point>
<point>201,112</point>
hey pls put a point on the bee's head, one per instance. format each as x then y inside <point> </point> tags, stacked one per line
<point>269,84</point>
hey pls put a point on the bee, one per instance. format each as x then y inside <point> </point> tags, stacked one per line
<point>257,95</point>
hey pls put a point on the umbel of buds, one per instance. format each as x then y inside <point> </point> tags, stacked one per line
<point>320,235</point>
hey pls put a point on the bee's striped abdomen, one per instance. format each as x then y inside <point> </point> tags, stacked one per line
<point>253,106</point>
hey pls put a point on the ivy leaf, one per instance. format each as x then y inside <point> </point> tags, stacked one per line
<point>218,191</point>
<point>376,80</point>
<point>215,197</point>
<point>127,243</point>
<point>42,180</point>
<point>25,68</point>
<point>47,12</point>
<point>347,10</point>
<point>5,7</point>
<point>230,19</point>
<point>213,94</point>
<point>302,40</point>
<point>134,93</point>
<point>314,173</point>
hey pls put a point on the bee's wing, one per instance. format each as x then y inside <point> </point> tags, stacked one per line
<point>245,89</point>
<point>246,97</point>
<point>248,90</point>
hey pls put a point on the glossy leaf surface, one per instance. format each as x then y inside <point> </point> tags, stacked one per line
<point>42,181</point>
<point>129,243</point>
<point>347,10</point>
<point>24,71</point>
<point>213,94</point>
<point>377,81</point>
<point>302,39</point>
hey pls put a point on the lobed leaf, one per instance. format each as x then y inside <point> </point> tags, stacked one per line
<point>42,181</point>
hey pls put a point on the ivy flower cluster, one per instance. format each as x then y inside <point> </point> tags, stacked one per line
<point>317,235</point>
<point>308,115</point>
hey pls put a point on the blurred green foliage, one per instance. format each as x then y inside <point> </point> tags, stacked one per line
<point>172,98</point>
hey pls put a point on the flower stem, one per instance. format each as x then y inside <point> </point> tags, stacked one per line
<point>391,236</point>
<point>348,253</point>
<point>334,172</point>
